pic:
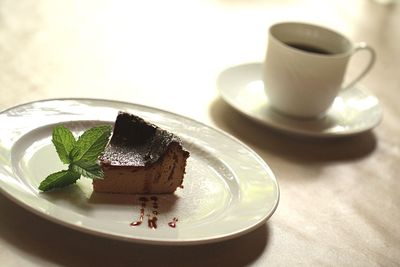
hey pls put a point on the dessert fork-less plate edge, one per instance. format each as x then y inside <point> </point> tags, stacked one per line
<point>228,189</point>
<point>353,111</point>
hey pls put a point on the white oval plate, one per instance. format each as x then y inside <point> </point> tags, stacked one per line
<point>353,111</point>
<point>228,189</point>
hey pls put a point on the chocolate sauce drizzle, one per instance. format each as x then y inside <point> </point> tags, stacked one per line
<point>143,201</point>
<point>151,217</point>
<point>152,220</point>
<point>173,222</point>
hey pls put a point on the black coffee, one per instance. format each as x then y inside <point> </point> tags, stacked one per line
<point>310,48</point>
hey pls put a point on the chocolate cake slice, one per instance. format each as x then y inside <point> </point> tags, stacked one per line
<point>141,158</point>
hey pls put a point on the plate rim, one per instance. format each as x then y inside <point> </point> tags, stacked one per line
<point>149,241</point>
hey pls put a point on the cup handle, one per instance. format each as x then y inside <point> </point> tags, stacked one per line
<point>358,47</point>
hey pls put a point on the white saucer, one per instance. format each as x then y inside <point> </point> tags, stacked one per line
<point>353,111</point>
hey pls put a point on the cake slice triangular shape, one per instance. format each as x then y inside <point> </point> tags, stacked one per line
<point>141,158</point>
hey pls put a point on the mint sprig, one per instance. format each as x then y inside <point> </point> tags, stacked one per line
<point>81,155</point>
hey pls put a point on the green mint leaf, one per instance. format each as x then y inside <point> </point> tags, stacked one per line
<point>59,179</point>
<point>91,144</point>
<point>74,154</point>
<point>64,141</point>
<point>87,169</point>
<point>81,155</point>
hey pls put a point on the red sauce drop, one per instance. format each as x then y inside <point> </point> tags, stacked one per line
<point>139,222</point>
<point>152,218</point>
<point>152,222</point>
<point>173,222</point>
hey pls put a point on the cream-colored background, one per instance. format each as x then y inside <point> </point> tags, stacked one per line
<point>339,198</point>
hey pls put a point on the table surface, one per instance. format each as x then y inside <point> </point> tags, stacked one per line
<point>340,202</point>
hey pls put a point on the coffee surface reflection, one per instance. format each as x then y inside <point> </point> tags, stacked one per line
<point>310,48</point>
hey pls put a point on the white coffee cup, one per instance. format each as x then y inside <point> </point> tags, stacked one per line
<point>305,66</point>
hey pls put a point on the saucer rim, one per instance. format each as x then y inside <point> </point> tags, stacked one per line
<point>298,131</point>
